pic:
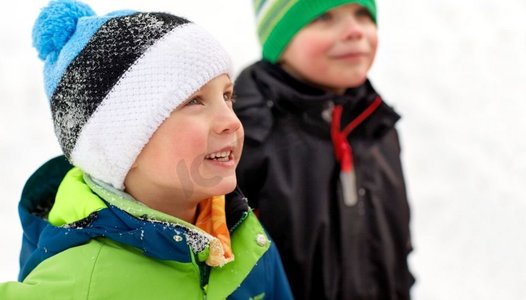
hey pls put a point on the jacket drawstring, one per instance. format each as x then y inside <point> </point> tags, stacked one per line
<point>343,150</point>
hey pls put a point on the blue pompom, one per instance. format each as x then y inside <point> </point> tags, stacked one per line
<point>56,24</point>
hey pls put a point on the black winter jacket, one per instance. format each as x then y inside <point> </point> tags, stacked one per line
<point>290,175</point>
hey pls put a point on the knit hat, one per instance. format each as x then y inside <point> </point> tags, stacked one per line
<point>277,21</point>
<point>112,80</point>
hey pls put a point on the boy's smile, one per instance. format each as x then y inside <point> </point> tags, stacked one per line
<point>349,54</point>
<point>222,157</point>
<point>335,51</point>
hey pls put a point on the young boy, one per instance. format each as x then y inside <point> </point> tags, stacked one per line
<point>321,160</point>
<point>142,108</point>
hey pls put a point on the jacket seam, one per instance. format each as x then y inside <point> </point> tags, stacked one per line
<point>90,280</point>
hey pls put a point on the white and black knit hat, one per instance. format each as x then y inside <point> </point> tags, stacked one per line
<point>112,80</point>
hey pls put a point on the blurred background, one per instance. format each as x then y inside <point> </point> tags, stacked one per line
<point>454,70</point>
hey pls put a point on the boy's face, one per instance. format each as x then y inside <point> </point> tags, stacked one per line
<point>335,51</point>
<point>193,154</point>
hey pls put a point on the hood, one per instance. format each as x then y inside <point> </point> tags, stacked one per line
<point>38,196</point>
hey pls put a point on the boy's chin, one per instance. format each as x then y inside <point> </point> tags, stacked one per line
<point>225,186</point>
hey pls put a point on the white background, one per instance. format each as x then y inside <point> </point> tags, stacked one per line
<point>456,72</point>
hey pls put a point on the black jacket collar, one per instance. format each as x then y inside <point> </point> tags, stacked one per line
<point>265,87</point>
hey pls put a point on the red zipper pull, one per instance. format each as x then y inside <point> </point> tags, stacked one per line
<point>343,150</point>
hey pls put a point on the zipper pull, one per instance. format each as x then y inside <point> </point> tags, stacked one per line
<point>348,184</point>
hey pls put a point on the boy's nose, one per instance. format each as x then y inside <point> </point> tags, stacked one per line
<point>351,28</point>
<point>226,121</point>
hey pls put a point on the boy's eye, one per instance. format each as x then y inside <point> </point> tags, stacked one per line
<point>323,17</point>
<point>364,12</point>
<point>194,101</point>
<point>229,96</point>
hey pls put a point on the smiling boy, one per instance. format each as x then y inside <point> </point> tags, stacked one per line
<point>321,161</point>
<point>148,208</point>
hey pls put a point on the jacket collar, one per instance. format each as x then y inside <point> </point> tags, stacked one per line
<point>265,87</point>
<point>161,240</point>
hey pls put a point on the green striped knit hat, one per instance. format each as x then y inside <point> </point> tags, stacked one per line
<point>278,21</point>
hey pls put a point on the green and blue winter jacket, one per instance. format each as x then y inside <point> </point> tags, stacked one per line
<point>99,244</point>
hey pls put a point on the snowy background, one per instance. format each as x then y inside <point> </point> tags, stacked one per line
<point>455,70</point>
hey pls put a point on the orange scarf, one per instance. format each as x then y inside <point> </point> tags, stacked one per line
<point>212,219</point>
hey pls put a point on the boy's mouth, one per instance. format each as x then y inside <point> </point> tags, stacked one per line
<point>224,155</point>
<point>349,55</point>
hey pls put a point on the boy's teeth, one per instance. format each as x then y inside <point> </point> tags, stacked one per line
<point>218,155</point>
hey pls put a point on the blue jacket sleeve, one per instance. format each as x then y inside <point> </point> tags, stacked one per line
<point>277,280</point>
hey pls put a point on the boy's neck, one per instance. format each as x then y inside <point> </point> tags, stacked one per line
<point>183,211</point>
<point>131,205</point>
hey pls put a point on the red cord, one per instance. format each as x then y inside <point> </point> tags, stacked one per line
<point>342,148</point>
